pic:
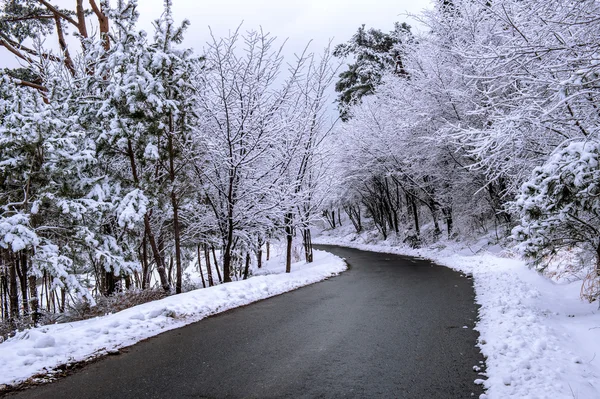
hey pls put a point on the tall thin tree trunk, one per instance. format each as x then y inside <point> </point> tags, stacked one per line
<point>175,206</point>
<point>160,264</point>
<point>288,237</point>
<point>12,287</point>
<point>53,298</point>
<point>308,249</point>
<point>23,282</point>
<point>229,239</point>
<point>170,270</point>
<point>33,301</point>
<point>214,253</point>
<point>110,283</point>
<point>598,260</point>
<point>145,263</point>
<point>415,213</point>
<point>63,300</point>
<point>449,221</point>
<point>45,285</point>
<point>247,267</point>
<point>4,292</point>
<point>227,256</point>
<point>200,268</point>
<point>208,266</point>
<point>268,250</point>
<point>259,254</point>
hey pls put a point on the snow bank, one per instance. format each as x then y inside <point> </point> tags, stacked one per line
<point>39,350</point>
<point>539,339</point>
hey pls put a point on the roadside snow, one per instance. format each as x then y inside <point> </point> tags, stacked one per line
<point>539,338</point>
<point>39,350</point>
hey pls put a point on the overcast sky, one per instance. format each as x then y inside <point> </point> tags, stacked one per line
<point>297,21</point>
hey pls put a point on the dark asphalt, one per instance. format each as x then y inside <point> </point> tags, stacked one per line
<point>390,327</point>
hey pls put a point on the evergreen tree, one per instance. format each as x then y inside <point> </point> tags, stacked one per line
<point>374,53</point>
<point>560,205</point>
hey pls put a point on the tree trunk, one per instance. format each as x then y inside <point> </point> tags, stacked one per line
<point>145,264</point>
<point>216,264</point>
<point>103,24</point>
<point>289,237</point>
<point>45,287</point>
<point>200,267</point>
<point>308,249</point>
<point>268,250</point>
<point>208,266</point>
<point>63,300</point>
<point>4,293</point>
<point>247,267</point>
<point>175,206</point>
<point>109,289</point>
<point>177,233</point>
<point>259,254</point>
<point>171,270</point>
<point>449,221</point>
<point>22,271</point>
<point>12,290</point>
<point>353,213</point>
<point>598,260</point>
<point>434,214</point>
<point>160,264</point>
<point>227,263</point>
<point>33,301</point>
<point>415,216</point>
<point>229,238</point>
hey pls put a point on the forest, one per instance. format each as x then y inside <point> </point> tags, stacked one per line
<point>126,159</point>
<point>485,124</point>
<point>124,156</point>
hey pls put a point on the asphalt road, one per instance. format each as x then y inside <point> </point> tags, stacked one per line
<point>390,327</point>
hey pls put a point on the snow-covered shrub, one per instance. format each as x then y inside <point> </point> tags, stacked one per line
<point>560,206</point>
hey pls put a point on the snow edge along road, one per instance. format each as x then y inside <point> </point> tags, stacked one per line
<point>535,335</point>
<point>41,350</point>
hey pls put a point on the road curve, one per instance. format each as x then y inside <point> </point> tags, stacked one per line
<point>389,327</point>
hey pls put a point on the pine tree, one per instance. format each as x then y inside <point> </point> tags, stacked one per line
<point>375,53</point>
<point>560,205</point>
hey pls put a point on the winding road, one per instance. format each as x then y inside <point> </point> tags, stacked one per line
<point>389,327</point>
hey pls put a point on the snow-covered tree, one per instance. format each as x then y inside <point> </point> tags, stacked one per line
<point>560,205</point>
<point>374,53</point>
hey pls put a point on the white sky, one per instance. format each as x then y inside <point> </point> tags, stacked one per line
<point>298,21</point>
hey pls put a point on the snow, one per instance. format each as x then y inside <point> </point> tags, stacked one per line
<point>539,338</point>
<point>39,350</point>
<point>132,208</point>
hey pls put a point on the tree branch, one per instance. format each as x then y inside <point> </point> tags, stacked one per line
<point>27,49</point>
<point>13,50</point>
<point>32,85</point>
<point>58,13</point>
<point>28,17</point>
<point>63,45</point>
<point>81,19</point>
<point>103,22</point>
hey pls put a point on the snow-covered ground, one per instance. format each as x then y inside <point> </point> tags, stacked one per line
<point>539,338</point>
<point>42,349</point>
